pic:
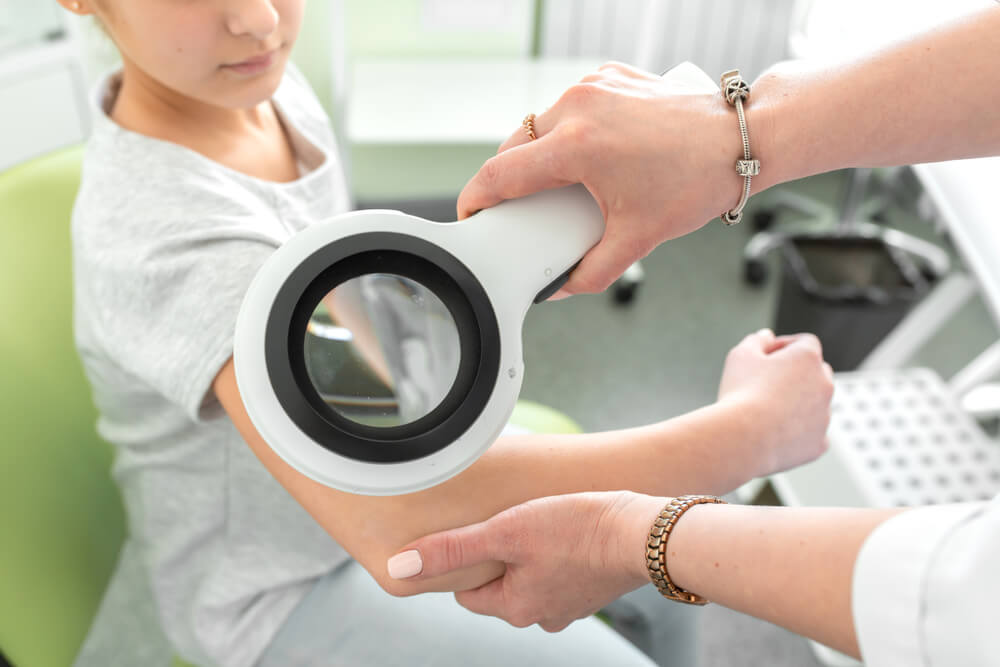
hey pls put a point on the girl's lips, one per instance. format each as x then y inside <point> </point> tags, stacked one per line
<point>253,65</point>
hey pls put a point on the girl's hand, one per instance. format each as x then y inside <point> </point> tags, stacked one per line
<point>787,385</point>
<point>566,556</point>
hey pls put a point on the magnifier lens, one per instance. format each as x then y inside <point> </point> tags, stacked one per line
<point>382,350</point>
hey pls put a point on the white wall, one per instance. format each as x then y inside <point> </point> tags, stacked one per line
<point>24,21</point>
<point>716,35</point>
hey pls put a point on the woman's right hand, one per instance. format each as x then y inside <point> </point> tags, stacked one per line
<point>785,383</point>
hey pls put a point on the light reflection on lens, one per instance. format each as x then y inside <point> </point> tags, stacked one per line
<point>382,350</point>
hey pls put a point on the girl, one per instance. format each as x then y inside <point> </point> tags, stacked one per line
<point>208,152</point>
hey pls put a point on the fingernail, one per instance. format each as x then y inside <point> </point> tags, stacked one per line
<point>561,294</point>
<point>405,564</point>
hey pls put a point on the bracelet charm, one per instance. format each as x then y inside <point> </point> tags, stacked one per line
<point>748,167</point>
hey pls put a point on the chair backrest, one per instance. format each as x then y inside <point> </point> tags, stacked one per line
<point>61,517</point>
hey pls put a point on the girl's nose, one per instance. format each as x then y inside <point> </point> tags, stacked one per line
<point>257,18</point>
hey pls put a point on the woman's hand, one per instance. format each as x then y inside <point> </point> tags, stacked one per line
<point>566,556</point>
<point>656,153</point>
<point>784,382</point>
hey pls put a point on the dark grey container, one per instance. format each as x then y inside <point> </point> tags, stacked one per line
<point>848,290</point>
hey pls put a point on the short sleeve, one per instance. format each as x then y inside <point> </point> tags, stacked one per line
<point>925,588</point>
<point>169,287</point>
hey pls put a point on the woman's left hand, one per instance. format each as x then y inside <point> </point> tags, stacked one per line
<point>655,152</point>
<point>567,556</point>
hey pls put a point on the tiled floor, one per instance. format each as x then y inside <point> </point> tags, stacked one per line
<point>610,366</point>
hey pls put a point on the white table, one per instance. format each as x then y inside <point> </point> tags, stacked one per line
<point>452,102</point>
<point>422,128</point>
<point>965,193</point>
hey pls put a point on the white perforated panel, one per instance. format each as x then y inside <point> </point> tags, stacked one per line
<point>905,440</point>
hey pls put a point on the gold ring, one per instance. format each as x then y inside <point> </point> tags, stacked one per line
<point>529,126</point>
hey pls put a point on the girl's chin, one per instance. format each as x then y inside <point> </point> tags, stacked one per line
<point>248,93</point>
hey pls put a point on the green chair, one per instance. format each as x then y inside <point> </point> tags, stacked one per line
<point>61,519</point>
<point>62,524</point>
<point>540,418</point>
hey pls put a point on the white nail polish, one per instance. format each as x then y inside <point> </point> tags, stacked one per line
<point>405,564</point>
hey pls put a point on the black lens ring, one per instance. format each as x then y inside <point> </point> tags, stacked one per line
<point>410,257</point>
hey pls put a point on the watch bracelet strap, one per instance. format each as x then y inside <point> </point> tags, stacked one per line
<point>656,546</point>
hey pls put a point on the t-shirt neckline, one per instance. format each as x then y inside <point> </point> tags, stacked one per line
<point>299,139</point>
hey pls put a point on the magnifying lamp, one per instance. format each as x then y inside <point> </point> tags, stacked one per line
<point>380,353</point>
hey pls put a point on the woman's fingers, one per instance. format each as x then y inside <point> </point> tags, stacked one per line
<point>440,553</point>
<point>544,122</point>
<point>487,600</point>
<point>455,549</point>
<point>599,268</point>
<point>605,262</point>
<point>517,172</point>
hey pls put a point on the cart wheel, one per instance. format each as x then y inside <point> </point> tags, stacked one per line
<point>763,219</point>
<point>754,272</point>
<point>929,274</point>
<point>624,292</point>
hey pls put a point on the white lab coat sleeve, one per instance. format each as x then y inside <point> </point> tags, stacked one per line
<point>925,588</point>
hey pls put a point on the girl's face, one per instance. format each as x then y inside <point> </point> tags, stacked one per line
<point>227,53</point>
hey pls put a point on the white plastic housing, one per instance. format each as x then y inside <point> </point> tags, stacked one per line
<point>514,249</point>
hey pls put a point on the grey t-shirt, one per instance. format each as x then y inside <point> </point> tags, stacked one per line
<point>165,244</point>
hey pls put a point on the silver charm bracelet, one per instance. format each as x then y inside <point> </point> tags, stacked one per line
<point>735,90</point>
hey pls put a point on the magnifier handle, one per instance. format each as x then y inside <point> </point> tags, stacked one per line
<point>543,235</point>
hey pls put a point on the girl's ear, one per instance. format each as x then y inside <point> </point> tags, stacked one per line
<point>81,7</point>
<point>86,8</point>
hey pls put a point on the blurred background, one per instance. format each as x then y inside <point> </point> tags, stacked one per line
<point>895,269</point>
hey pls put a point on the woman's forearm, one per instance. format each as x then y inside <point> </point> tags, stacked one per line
<point>790,566</point>
<point>933,97</point>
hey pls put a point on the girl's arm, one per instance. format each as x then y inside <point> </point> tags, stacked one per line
<point>713,449</point>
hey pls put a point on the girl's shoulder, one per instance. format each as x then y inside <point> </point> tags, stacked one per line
<point>138,193</point>
<point>138,185</point>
